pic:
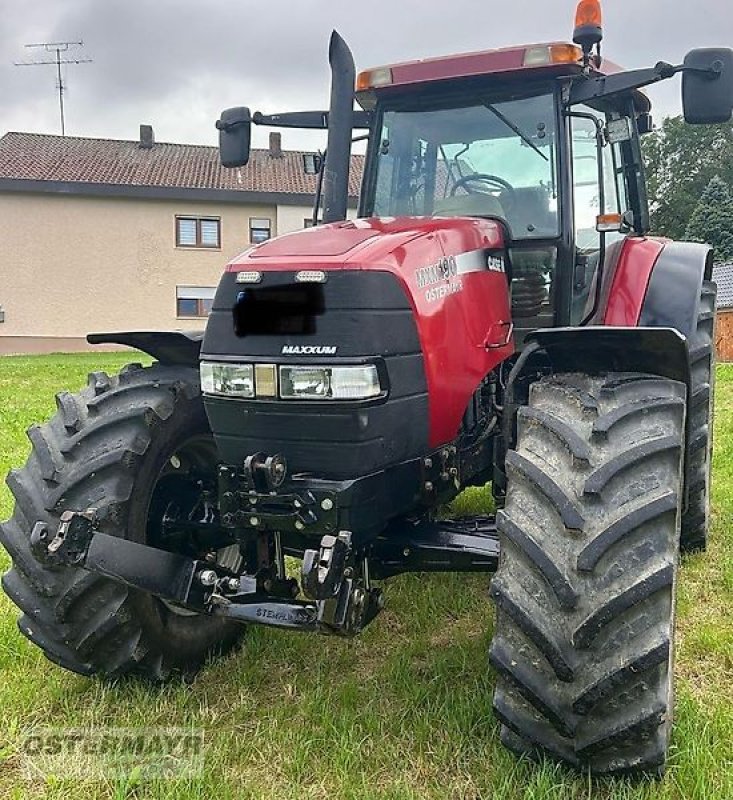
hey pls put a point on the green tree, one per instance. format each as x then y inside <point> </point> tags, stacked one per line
<point>712,220</point>
<point>680,162</point>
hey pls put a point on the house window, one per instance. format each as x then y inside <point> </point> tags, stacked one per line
<point>194,301</point>
<point>259,230</point>
<point>198,232</point>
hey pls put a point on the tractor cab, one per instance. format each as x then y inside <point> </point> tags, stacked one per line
<point>491,135</point>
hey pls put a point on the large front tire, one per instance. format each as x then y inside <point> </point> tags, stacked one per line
<point>584,592</point>
<point>107,448</point>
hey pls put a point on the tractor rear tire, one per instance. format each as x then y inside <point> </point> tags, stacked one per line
<point>105,448</point>
<point>584,593</point>
<point>699,450</point>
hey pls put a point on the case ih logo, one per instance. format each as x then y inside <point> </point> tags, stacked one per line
<point>495,263</point>
<point>309,350</point>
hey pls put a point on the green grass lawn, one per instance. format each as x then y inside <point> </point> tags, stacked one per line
<point>402,712</point>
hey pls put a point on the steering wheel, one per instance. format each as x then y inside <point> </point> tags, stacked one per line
<point>494,185</point>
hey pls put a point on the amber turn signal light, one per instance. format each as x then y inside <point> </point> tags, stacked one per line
<point>610,223</point>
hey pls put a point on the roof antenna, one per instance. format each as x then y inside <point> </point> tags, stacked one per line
<point>58,48</point>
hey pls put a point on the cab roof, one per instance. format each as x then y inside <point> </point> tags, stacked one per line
<point>555,58</point>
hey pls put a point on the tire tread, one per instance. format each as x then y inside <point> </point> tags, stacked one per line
<point>589,682</point>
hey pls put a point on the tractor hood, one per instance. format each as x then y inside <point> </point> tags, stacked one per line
<point>426,299</point>
<point>375,244</point>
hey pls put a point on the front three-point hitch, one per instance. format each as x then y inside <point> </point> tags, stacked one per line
<point>340,598</point>
<point>334,595</point>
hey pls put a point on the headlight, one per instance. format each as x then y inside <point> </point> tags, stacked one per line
<point>329,383</point>
<point>236,380</point>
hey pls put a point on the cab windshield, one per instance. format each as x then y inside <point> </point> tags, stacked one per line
<point>487,158</point>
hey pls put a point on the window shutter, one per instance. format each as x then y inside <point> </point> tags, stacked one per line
<point>186,232</point>
<point>210,232</point>
<point>195,292</point>
<point>259,230</point>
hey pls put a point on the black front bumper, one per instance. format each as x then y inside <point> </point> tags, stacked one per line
<point>305,509</point>
<point>302,508</point>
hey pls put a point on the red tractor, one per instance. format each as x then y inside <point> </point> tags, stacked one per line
<point>497,314</point>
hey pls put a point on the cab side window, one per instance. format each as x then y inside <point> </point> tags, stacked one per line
<point>599,187</point>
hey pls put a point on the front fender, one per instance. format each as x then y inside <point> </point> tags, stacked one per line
<point>593,350</point>
<point>599,348</point>
<point>167,347</point>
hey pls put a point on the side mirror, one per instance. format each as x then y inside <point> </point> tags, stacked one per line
<point>235,131</point>
<point>707,86</point>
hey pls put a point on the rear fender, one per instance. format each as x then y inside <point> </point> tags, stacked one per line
<point>168,347</point>
<point>656,283</point>
<point>672,297</point>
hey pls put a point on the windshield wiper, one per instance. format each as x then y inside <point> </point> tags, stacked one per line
<point>514,128</point>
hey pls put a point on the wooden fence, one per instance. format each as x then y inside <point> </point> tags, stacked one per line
<point>724,335</point>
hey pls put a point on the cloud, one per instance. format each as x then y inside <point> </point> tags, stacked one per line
<point>177,63</point>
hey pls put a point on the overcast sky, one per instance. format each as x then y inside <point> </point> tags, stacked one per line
<point>176,63</point>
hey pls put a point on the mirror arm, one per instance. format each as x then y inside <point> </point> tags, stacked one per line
<point>307,120</point>
<point>609,85</point>
<point>589,89</point>
<point>315,120</point>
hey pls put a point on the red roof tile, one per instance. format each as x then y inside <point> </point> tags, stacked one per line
<point>43,157</point>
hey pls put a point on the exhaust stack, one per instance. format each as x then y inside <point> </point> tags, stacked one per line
<point>340,124</point>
